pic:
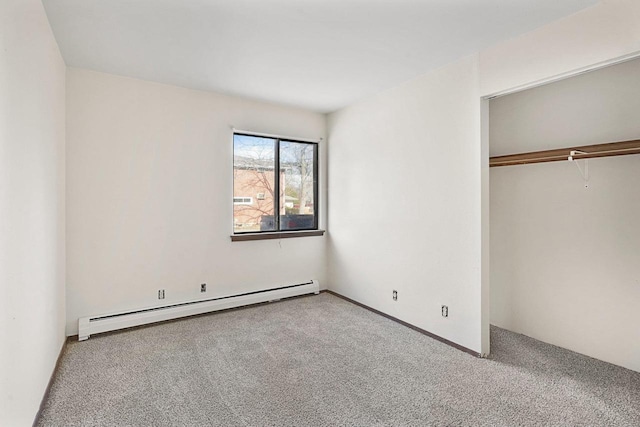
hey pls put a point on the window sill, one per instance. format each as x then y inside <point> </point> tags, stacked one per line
<point>275,235</point>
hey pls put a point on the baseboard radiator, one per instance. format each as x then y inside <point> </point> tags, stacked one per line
<point>121,320</point>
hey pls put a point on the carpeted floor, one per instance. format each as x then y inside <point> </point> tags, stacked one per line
<point>322,361</point>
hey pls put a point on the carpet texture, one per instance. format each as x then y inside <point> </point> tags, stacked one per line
<point>322,361</point>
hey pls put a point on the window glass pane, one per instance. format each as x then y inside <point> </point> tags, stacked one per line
<point>297,186</point>
<point>253,184</point>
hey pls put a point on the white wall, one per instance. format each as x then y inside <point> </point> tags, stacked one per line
<point>405,202</point>
<point>608,30</point>
<point>593,108</point>
<point>565,259</point>
<point>435,127</point>
<point>149,190</point>
<point>32,250</point>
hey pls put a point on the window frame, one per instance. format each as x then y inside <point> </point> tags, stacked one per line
<point>278,232</point>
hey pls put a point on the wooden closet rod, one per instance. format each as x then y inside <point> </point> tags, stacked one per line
<point>588,152</point>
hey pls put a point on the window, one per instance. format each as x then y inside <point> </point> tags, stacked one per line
<point>242,201</point>
<point>283,176</point>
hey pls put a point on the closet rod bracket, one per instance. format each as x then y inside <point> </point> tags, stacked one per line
<point>584,173</point>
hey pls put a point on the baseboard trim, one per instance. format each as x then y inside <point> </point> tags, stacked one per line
<point>75,337</point>
<point>45,397</point>
<point>408,325</point>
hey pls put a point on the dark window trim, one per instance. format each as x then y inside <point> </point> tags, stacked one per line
<point>301,231</point>
<point>269,235</point>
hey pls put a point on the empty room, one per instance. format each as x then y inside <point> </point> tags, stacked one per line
<point>319,213</point>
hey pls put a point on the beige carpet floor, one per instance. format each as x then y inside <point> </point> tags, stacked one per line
<point>322,361</point>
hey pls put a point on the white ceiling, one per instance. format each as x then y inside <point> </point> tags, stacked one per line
<point>316,54</point>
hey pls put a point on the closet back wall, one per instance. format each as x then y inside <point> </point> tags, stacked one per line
<point>565,259</point>
<point>149,193</point>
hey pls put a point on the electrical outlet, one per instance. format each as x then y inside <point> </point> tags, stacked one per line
<point>161,294</point>
<point>445,311</point>
<point>203,287</point>
<point>395,295</point>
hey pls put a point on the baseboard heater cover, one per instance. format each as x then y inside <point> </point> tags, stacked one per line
<point>121,320</point>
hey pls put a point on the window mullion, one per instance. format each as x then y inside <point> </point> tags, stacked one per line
<point>276,191</point>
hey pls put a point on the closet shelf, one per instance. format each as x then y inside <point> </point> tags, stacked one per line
<point>583,152</point>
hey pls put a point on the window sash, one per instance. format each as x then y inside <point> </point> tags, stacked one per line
<point>276,190</point>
